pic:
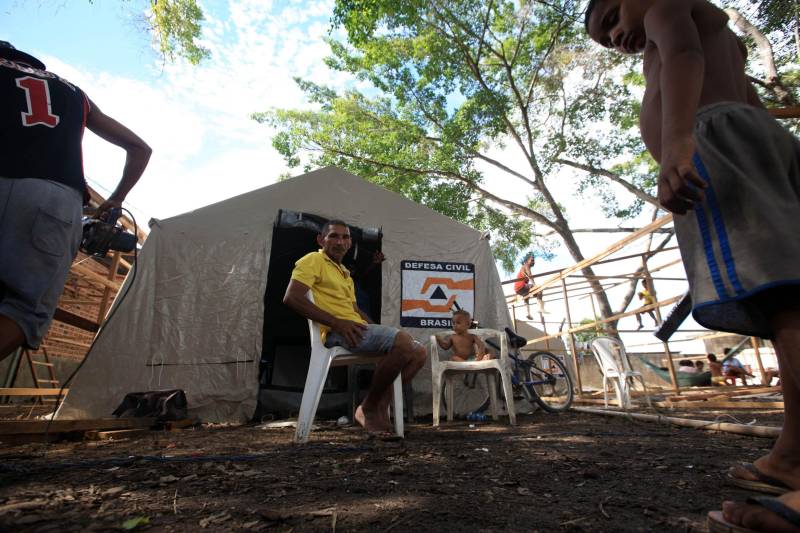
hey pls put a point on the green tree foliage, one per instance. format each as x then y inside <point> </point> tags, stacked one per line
<point>447,85</point>
<point>777,15</point>
<point>176,26</point>
<point>588,335</point>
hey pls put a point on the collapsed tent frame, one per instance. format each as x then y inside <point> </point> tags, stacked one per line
<point>556,288</point>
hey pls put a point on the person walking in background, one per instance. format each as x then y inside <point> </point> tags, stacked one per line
<point>646,298</point>
<point>524,284</point>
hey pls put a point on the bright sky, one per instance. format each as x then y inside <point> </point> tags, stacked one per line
<point>197,118</point>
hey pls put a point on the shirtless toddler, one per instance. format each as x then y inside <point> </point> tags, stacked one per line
<point>730,174</point>
<point>466,346</point>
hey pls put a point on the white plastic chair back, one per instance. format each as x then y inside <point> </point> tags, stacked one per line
<point>319,363</point>
<point>608,352</point>
<point>616,367</point>
<point>444,370</point>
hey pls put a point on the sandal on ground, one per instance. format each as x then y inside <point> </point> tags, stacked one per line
<point>717,523</point>
<point>762,483</point>
<point>385,436</point>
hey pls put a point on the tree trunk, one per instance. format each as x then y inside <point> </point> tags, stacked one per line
<point>599,294</point>
<point>773,80</point>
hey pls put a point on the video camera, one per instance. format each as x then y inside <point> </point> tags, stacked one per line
<point>100,236</point>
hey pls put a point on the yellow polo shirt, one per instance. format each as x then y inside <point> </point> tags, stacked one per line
<point>331,286</point>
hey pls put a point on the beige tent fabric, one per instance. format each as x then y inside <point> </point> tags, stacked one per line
<point>192,319</point>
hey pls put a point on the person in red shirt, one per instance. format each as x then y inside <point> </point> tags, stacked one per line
<point>524,284</point>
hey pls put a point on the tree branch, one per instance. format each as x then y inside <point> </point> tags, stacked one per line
<point>626,300</point>
<point>475,69</point>
<point>616,178</point>
<point>773,81</point>
<point>483,33</point>
<point>512,206</point>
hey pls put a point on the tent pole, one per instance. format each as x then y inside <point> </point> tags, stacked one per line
<point>755,431</point>
<point>673,376</point>
<point>594,312</point>
<point>11,373</point>
<point>754,344</point>
<point>514,316</point>
<point>112,273</point>
<point>671,367</point>
<point>572,340</point>
<point>544,330</point>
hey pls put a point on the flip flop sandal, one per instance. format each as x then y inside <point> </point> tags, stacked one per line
<point>717,524</point>
<point>762,483</point>
<point>385,436</point>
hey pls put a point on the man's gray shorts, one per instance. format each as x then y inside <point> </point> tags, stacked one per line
<point>40,231</point>
<point>377,339</point>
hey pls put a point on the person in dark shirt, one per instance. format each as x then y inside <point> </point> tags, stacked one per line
<point>43,189</point>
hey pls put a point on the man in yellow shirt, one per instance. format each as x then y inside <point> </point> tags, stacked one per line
<point>344,324</point>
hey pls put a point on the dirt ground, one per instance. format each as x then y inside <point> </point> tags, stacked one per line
<point>568,472</point>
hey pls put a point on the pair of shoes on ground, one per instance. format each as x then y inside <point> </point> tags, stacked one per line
<point>788,519</point>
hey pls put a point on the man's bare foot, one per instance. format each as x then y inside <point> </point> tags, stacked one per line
<point>371,421</point>
<point>763,516</point>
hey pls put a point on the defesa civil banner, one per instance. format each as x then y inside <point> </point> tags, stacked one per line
<point>432,290</point>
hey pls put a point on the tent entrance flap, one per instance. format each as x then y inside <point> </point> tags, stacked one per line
<point>285,349</point>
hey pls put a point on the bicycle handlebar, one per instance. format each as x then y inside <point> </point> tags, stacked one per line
<point>515,341</point>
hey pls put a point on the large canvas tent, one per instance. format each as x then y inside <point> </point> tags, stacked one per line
<point>194,317</point>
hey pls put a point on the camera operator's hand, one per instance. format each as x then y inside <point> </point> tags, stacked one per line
<point>103,211</point>
<point>353,332</point>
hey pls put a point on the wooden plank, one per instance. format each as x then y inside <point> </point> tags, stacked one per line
<point>112,272</point>
<point>721,404</point>
<point>21,427</point>
<point>174,425</point>
<point>30,391</point>
<point>785,112</point>
<point>612,400</point>
<point>621,258</point>
<point>65,340</point>
<point>69,301</point>
<point>592,325</point>
<point>62,315</point>
<point>605,253</point>
<point>729,393</point>
<point>116,434</point>
<point>93,276</point>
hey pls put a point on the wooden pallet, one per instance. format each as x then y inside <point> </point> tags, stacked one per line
<point>14,432</point>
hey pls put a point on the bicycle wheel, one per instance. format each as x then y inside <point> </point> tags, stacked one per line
<point>548,381</point>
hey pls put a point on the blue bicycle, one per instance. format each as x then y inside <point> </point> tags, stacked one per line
<point>540,377</point>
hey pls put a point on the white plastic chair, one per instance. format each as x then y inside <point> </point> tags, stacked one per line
<point>448,369</point>
<point>616,367</point>
<point>322,359</point>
